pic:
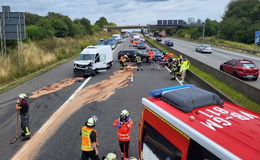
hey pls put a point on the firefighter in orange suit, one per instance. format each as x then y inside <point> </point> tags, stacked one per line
<point>124,125</point>
<point>89,143</point>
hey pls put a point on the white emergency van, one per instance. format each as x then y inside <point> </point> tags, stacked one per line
<point>92,59</point>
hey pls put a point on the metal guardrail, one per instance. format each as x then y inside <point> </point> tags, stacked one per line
<point>237,84</point>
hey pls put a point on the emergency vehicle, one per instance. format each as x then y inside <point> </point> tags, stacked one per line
<point>189,123</point>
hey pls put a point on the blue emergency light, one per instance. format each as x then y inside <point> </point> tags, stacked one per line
<point>158,92</point>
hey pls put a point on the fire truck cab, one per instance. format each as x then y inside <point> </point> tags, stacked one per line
<point>189,123</point>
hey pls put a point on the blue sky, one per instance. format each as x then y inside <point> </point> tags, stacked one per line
<point>124,12</point>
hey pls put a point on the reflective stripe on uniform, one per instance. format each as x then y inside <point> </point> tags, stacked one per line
<point>86,142</point>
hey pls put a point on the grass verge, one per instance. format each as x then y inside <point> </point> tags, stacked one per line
<point>37,57</point>
<point>238,97</point>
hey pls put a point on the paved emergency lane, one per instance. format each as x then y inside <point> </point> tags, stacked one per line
<point>217,57</point>
<point>65,143</point>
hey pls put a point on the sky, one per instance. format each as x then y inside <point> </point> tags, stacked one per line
<point>124,12</point>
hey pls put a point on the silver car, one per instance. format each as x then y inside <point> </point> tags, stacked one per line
<point>204,48</point>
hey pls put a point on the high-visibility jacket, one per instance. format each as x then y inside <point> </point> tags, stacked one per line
<point>150,54</point>
<point>138,59</point>
<point>122,59</point>
<point>123,132</point>
<point>185,65</point>
<point>170,55</point>
<point>86,144</point>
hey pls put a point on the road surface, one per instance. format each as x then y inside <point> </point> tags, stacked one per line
<point>217,57</point>
<point>65,143</point>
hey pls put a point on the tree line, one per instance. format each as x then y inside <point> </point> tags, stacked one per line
<point>239,23</point>
<point>55,24</point>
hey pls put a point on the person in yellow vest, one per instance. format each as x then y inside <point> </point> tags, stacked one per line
<point>184,67</point>
<point>89,143</point>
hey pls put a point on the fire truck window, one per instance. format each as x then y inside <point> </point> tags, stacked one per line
<point>159,145</point>
<point>196,151</point>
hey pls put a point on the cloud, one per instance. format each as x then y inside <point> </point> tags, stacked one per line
<point>150,0</point>
<point>123,12</point>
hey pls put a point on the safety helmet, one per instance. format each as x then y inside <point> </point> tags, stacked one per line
<point>111,156</point>
<point>22,96</point>
<point>126,56</point>
<point>132,158</point>
<point>91,121</point>
<point>124,113</point>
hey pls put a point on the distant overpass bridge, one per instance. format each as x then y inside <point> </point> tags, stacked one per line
<point>149,26</point>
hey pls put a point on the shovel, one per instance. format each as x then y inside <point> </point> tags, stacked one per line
<point>17,131</point>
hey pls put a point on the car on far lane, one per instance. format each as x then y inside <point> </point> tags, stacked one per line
<point>241,69</point>
<point>169,42</point>
<point>141,45</point>
<point>204,48</point>
<point>159,39</point>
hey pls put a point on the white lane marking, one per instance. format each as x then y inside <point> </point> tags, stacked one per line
<point>176,77</point>
<point>50,121</point>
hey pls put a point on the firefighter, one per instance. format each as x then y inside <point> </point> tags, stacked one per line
<point>23,106</point>
<point>89,140</point>
<point>184,67</point>
<point>138,62</point>
<point>174,68</point>
<point>124,125</point>
<point>123,61</point>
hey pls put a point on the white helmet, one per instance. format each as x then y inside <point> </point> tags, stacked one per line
<point>91,121</point>
<point>111,156</point>
<point>132,158</point>
<point>22,96</point>
<point>124,113</point>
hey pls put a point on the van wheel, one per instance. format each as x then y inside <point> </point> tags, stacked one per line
<point>109,65</point>
<point>94,72</point>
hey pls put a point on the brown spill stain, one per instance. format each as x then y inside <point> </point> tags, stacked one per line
<point>95,92</point>
<point>54,87</point>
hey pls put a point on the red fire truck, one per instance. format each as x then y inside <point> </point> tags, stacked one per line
<point>189,123</point>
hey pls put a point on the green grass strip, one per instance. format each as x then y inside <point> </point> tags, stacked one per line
<point>238,97</point>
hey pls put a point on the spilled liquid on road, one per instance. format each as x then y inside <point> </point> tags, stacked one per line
<point>54,87</point>
<point>95,92</point>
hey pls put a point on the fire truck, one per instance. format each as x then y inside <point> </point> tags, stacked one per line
<point>189,123</point>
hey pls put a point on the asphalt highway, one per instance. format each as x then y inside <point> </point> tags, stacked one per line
<point>217,57</point>
<point>65,143</point>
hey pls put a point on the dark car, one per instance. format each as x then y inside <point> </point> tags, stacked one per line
<point>159,39</point>
<point>131,54</point>
<point>141,45</point>
<point>169,42</point>
<point>240,68</point>
<point>157,53</point>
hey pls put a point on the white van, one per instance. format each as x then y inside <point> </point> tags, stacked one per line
<point>92,59</point>
<point>118,38</point>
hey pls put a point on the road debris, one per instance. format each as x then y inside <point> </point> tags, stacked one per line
<point>98,92</point>
<point>55,87</point>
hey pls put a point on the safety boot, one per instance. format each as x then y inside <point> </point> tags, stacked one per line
<point>25,138</point>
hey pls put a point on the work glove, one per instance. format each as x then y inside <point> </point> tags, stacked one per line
<point>118,125</point>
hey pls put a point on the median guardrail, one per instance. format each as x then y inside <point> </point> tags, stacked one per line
<point>237,84</point>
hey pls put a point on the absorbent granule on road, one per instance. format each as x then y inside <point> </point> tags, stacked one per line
<point>55,87</point>
<point>96,92</point>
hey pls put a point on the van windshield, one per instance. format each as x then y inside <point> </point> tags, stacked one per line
<point>87,57</point>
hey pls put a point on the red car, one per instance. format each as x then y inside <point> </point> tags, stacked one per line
<point>240,68</point>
